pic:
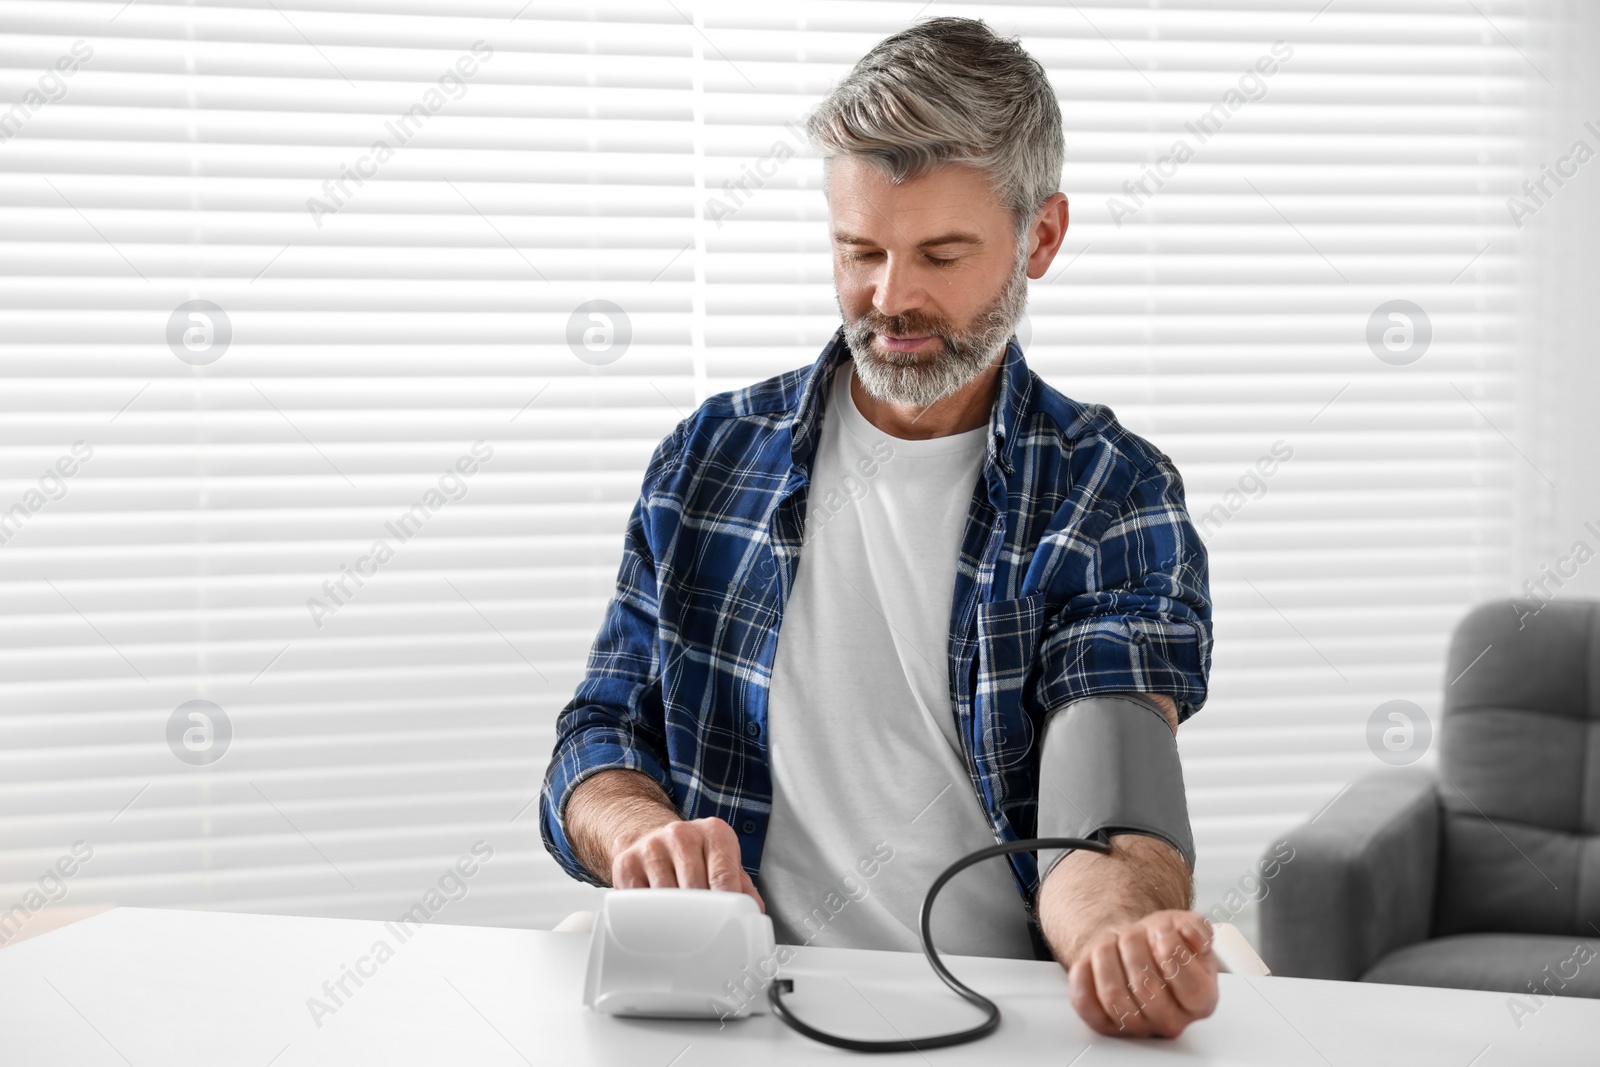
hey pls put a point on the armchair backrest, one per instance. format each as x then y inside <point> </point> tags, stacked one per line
<point>1519,771</point>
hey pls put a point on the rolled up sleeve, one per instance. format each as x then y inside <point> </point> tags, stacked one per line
<point>615,719</point>
<point>1142,623</point>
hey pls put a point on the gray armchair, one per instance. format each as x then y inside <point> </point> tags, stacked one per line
<point>1486,873</point>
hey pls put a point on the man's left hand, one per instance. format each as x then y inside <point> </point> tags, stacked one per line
<point>1151,976</point>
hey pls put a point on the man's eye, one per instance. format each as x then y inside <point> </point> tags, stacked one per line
<point>859,256</point>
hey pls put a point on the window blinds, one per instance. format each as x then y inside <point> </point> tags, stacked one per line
<point>336,336</point>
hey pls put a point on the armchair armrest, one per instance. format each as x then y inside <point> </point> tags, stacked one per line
<point>1360,882</point>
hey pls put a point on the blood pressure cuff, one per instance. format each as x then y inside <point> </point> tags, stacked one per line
<point>1109,765</point>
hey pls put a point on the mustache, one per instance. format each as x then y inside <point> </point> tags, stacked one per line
<point>904,326</point>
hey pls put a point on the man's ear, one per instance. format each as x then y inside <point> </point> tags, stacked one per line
<point>1050,227</point>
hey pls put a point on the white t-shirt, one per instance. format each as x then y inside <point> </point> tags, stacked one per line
<point>871,795</point>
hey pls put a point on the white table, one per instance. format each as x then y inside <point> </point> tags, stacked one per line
<point>170,988</point>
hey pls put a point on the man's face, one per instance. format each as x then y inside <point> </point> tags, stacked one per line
<point>928,278</point>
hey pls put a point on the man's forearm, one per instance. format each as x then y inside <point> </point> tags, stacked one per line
<point>1087,892</point>
<point>609,811</point>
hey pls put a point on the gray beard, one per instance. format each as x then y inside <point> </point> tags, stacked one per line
<point>918,379</point>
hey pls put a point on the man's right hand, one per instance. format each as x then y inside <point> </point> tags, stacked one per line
<point>619,821</point>
<point>689,854</point>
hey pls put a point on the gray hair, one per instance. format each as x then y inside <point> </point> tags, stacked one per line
<point>948,90</point>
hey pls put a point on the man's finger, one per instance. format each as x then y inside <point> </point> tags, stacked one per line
<point>749,886</point>
<point>1196,930</point>
<point>686,845</point>
<point>1081,990</point>
<point>1194,975</point>
<point>1111,988</point>
<point>722,866</point>
<point>627,871</point>
<point>657,863</point>
<point>1164,1014</point>
<point>623,871</point>
<point>727,869</point>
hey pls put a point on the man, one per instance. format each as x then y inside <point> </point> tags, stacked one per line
<point>877,613</point>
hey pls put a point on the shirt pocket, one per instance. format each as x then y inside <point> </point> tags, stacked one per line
<point>1008,647</point>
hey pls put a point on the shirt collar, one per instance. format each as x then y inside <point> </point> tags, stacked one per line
<point>1010,403</point>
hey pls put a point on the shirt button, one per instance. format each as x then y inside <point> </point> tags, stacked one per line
<point>749,826</point>
<point>752,728</point>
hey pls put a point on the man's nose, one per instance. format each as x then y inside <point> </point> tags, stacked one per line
<point>899,290</point>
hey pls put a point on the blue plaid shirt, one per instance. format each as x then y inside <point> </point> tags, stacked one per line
<point>1080,573</point>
